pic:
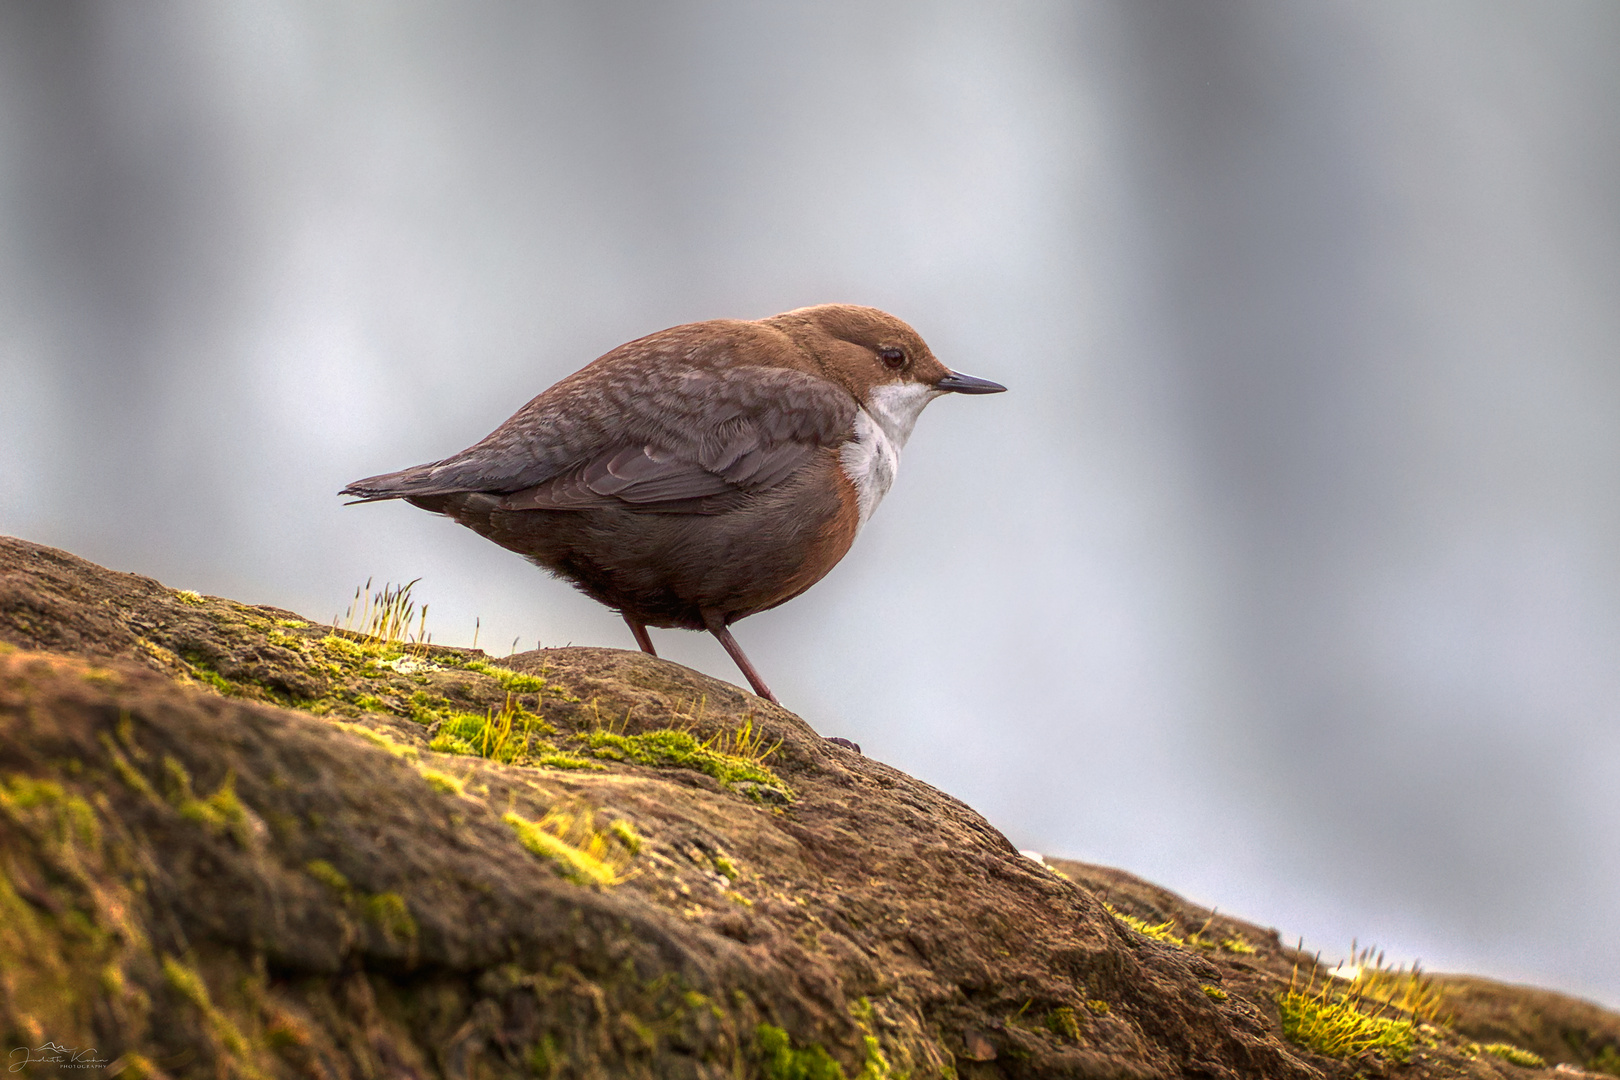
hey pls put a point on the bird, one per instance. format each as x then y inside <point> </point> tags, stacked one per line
<point>700,474</point>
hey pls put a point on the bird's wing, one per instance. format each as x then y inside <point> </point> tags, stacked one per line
<point>670,434</point>
<point>715,435</point>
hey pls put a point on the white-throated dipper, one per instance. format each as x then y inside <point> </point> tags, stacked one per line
<point>701,474</point>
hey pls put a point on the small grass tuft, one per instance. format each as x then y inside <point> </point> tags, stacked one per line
<point>745,742</point>
<point>386,615</point>
<point>1406,991</point>
<point>1341,1022</point>
<point>510,734</point>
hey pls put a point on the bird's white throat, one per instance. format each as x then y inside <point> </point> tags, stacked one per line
<point>882,425</point>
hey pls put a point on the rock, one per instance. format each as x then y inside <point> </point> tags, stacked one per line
<point>237,843</point>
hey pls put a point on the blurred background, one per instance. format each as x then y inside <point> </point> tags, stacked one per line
<point>1288,573</point>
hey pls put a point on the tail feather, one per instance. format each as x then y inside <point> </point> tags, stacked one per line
<point>417,480</point>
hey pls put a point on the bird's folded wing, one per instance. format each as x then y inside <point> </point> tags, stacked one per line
<point>725,434</point>
<point>672,438</point>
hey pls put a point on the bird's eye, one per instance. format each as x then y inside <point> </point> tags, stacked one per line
<point>894,359</point>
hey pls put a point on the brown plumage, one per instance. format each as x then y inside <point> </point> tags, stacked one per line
<point>701,474</point>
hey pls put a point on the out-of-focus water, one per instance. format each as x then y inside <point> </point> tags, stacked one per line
<point>1286,575</point>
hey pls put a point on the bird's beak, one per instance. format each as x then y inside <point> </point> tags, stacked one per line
<point>957,383</point>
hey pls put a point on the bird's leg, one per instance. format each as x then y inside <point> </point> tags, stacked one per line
<point>639,628</point>
<point>717,627</point>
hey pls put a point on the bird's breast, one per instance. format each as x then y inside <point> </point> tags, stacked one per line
<point>883,423</point>
<point>870,461</point>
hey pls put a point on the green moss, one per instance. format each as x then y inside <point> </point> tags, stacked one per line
<point>512,682</point>
<point>365,657</point>
<point>625,833</point>
<point>187,596</point>
<point>71,820</point>
<point>379,739</point>
<point>328,875</point>
<point>370,703</point>
<point>780,1060</point>
<point>561,759</point>
<point>726,867</point>
<point>511,734</point>
<point>222,812</point>
<point>673,748</point>
<point>442,781</point>
<point>544,1059</point>
<point>452,744</point>
<point>189,984</point>
<point>389,912</point>
<point>1164,931</point>
<point>1516,1055</point>
<point>208,676</point>
<point>581,860</point>
<point>1062,1022</point>
<point>1332,1025</point>
<point>99,676</point>
<point>1215,993</point>
<point>131,776</point>
<point>876,1066</point>
<point>40,964</point>
<point>1097,1007</point>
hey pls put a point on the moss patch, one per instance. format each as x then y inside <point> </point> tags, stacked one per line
<point>674,748</point>
<point>779,1059</point>
<point>1334,1025</point>
<point>1515,1055</point>
<point>512,682</point>
<point>569,838</point>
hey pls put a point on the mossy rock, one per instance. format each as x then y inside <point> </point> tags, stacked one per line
<point>229,847</point>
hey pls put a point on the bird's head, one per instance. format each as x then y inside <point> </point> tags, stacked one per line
<point>881,361</point>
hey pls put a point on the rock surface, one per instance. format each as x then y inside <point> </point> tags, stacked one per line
<point>235,843</point>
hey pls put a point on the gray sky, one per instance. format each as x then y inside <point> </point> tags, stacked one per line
<point>1286,574</point>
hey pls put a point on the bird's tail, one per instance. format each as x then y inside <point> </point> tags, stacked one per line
<point>417,480</point>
